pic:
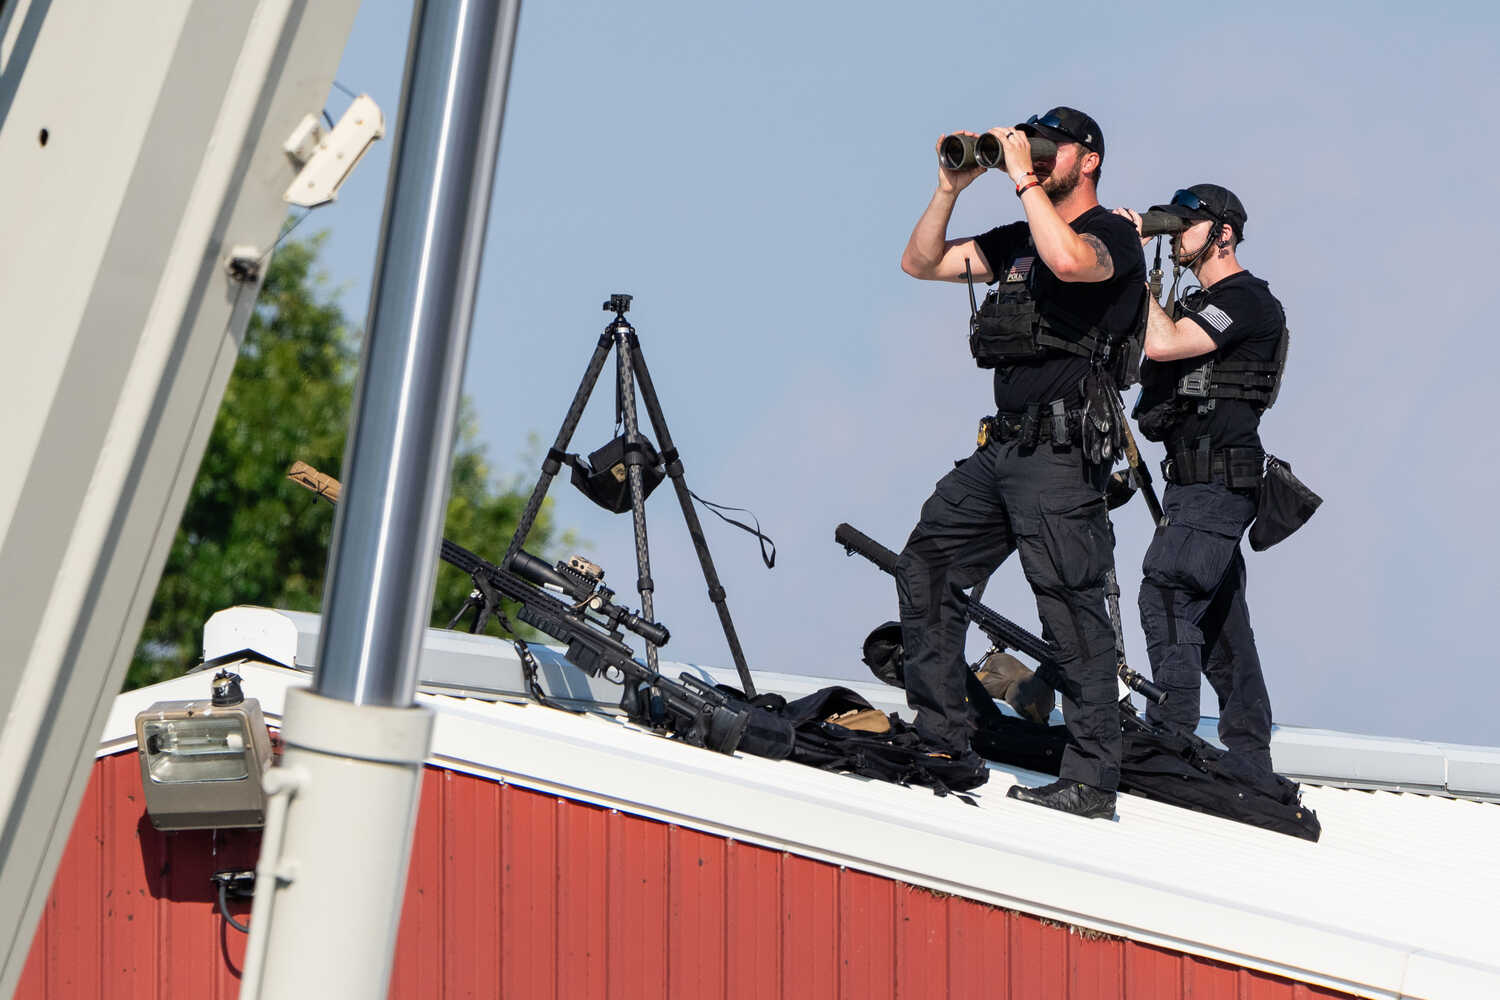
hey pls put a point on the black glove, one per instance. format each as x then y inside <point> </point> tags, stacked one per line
<point>1119,489</point>
<point>1102,437</point>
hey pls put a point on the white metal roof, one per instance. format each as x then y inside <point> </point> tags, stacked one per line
<point>1397,899</point>
<point>487,667</point>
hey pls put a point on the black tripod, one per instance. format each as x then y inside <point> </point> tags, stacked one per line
<point>631,368</point>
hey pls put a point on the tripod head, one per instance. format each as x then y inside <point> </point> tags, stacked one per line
<point>619,304</point>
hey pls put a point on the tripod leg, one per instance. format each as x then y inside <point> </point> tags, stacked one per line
<point>689,513</point>
<point>637,490</point>
<point>553,462</point>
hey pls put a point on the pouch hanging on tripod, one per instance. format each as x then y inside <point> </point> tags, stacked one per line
<point>603,477</point>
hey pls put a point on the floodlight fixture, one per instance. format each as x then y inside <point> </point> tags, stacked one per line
<point>202,761</point>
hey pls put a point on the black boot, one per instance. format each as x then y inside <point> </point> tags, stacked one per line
<point>1069,797</point>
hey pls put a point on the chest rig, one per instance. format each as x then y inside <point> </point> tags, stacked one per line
<point>1256,382</point>
<point>1010,326</point>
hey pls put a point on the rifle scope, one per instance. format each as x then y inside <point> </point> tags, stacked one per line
<point>592,598</point>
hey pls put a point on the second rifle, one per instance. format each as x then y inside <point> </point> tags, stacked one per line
<point>1001,631</point>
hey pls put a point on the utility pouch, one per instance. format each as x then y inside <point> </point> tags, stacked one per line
<point>1158,408</point>
<point>1002,332</point>
<point>1284,505</point>
<point>1189,466</point>
<point>1059,412</point>
<point>1243,468</point>
<point>1003,329</point>
<point>1031,427</point>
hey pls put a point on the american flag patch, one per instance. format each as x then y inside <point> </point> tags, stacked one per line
<point>1216,318</point>
<point>1019,269</point>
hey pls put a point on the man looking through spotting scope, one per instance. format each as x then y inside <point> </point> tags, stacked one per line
<point>1213,367</point>
<point>1069,290</point>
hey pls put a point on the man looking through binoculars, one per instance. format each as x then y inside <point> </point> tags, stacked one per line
<point>1214,366</point>
<point>1068,289</point>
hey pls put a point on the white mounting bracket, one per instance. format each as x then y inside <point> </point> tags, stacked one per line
<point>328,157</point>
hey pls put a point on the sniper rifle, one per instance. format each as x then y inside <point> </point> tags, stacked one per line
<point>589,627</point>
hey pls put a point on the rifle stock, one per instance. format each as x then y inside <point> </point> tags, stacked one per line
<point>1138,469</point>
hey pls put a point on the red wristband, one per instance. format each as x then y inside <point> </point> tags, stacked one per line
<point>1023,188</point>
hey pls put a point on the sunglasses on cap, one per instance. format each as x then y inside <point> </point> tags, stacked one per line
<point>1190,201</point>
<point>1054,122</point>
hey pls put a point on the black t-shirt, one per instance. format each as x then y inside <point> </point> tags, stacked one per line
<point>1112,305</point>
<point>1245,321</point>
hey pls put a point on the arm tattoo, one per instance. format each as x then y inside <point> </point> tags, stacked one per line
<point>1101,255</point>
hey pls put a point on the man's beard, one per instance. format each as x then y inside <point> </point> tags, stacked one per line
<point>1059,186</point>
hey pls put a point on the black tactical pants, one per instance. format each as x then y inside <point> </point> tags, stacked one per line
<point>1048,505</point>
<point>1196,622</point>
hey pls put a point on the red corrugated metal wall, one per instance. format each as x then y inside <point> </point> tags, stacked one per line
<point>519,894</point>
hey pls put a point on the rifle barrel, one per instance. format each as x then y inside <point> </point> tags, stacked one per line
<point>1001,630</point>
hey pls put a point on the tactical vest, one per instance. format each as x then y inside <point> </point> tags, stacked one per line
<point>1165,401</point>
<point>1011,327</point>
<point>1256,382</point>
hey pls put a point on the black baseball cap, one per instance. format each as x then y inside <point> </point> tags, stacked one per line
<point>1066,125</point>
<point>1207,201</point>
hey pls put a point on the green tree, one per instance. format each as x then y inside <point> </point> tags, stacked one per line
<point>249,535</point>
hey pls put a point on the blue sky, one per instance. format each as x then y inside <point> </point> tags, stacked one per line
<point>751,173</point>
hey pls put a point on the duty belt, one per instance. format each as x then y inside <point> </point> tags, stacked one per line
<point>1050,423</point>
<point>1236,468</point>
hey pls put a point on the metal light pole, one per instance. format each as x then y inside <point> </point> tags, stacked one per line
<point>333,863</point>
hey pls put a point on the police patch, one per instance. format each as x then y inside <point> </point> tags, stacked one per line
<point>1019,269</point>
<point>1216,318</point>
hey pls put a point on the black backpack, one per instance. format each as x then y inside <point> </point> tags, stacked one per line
<point>800,730</point>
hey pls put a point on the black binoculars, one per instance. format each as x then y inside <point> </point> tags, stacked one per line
<point>965,152</point>
<point>1162,224</point>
